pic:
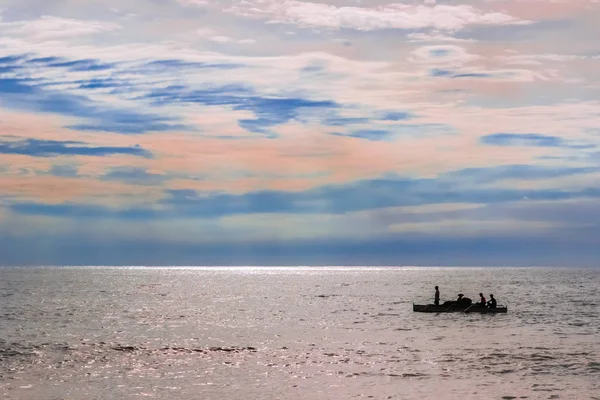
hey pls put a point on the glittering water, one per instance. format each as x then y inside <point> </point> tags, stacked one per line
<point>296,333</point>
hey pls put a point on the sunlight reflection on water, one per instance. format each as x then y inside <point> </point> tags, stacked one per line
<point>298,333</point>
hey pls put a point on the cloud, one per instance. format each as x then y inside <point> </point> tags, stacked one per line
<point>478,228</point>
<point>392,16</point>
<point>460,187</point>
<point>463,186</point>
<point>269,111</point>
<point>490,175</point>
<point>63,170</point>
<point>169,65</point>
<point>221,39</point>
<point>81,65</point>
<point>44,192</point>
<point>396,116</point>
<point>529,139</point>
<point>491,221</point>
<point>439,208</point>
<point>442,55</point>
<point>25,94</point>
<point>11,59</point>
<point>374,237</point>
<point>134,176</point>
<point>554,10</point>
<point>570,183</point>
<point>66,209</point>
<point>227,39</point>
<point>444,73</point>
<point>50,27</point>
<point>51,148</point>
<point>540,59</point>
<point>370,134</point>
<point>344,121</point>
<point>129,124</point>
<point>435,37</point>
<point>391,132</point>
<point>193,2</point>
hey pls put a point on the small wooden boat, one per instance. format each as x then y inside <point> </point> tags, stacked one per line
<point>432,308</point>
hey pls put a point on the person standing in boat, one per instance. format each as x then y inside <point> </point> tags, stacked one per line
<point>492,302</point>
<point>436,300</point>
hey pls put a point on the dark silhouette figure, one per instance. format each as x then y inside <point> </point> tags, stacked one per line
<point>482,302</point>
<point>436,301</point>
<point>463,301</point>
<point>492,302</point>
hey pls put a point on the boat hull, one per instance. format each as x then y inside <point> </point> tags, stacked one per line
<point>432,308</point>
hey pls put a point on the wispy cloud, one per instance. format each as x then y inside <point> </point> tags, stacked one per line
<point>392,16</point>
<point>27,94</point>
<point>269,111</point>
<point>50,27</point>
<point>134,176</point>
<point>530,139</point>
<point>443,55</point>
<point>463,187</point>
<point>51,148</point>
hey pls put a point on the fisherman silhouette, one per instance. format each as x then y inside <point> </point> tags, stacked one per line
<point>492,302</point>
<point>463,301</point>
<point>482,302</point>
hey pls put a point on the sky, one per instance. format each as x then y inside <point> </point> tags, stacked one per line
<point>290,132</point>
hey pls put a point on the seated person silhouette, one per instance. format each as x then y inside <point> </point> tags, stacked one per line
<point>462,301</point>
<point>492,303</point>
<point>482,301</point>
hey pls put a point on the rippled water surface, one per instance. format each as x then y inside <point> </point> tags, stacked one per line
<point>296,333</point>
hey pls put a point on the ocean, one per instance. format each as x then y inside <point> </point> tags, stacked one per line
<point>296,333</point>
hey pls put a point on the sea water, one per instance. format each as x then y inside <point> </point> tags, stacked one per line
<point>296,333</point>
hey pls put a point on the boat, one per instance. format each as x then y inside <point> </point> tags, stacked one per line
<point>432,308</point>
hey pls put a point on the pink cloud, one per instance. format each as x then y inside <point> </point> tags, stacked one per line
<point>544,9</point>
<point>304,156</point>
<point>396,15</point>
<point>52,189</point>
